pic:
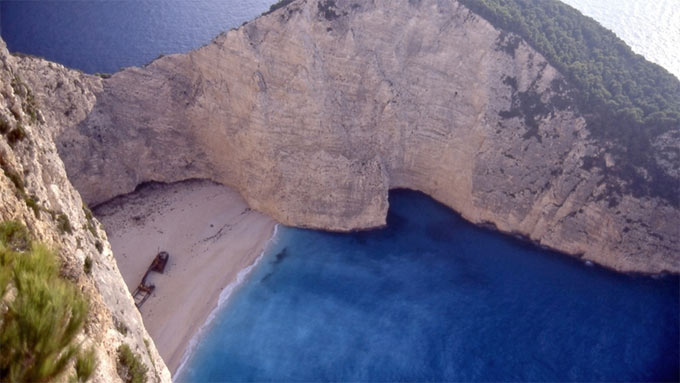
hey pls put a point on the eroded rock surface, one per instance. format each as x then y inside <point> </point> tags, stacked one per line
<point>315,111</point>
<point>37,192</point>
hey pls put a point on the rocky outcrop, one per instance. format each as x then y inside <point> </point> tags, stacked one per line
<point>36,191</point>
<point>315,111</point>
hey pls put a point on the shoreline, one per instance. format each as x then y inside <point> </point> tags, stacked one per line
<point>222,301</point>
<point>214,241</point>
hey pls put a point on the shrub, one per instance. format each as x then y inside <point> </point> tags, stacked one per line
<point>277,5</point>
<point>64,224</point>
<point>120,326</point>
<point>90,227</point>
<point>87,212</point>
<point>12,175</point>
<point>15,135</point>
<point>85,365</point>
<point>33,205</point>
<point>15,178</point>
<point>38,330</point>
<point>30,106</point>
<point>99,246</point>
<point>13,235</point>
<point>90,220</point>
<point>87,265</point>
<point>130,368</point>
<point>148,352</point>
<point>18,86</point>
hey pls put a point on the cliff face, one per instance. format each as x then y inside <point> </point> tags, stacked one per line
<point>36,191</point>
<point>315,111</point>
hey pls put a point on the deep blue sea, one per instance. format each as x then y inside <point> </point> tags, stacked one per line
<point>107,35</point>
<point>428,298</point>
<point>434,298</point>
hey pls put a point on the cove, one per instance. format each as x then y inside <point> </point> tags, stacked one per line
<point>431,297</point>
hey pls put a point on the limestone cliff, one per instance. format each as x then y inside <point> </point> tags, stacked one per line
<point>36,191</point>
<point>314,111</point>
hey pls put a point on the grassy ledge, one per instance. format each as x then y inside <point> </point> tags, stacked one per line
<point>41,313</point>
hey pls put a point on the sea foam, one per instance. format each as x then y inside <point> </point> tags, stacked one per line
<point>223,299</point>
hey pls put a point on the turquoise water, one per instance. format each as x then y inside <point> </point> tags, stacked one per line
<point>433,298</point>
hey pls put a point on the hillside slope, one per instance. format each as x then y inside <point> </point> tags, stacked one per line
<point>37,193</point>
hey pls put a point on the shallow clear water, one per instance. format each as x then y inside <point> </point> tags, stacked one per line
<point>433,298</point>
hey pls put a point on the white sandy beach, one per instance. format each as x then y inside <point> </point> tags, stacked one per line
<point>210,235</point>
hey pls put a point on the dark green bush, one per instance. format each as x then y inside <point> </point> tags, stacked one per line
<point>38,330</point>
<point>90,225</point>
<point>64,224</point>
<point>130,368</point>
<point>87,265</point>
<point>277,5</point>
<point>85,365</point>
<point>87,212</point>
<point>18,86</point>
<point>15,135</point>
<point>30,106</point>
<point>33,205</point>
<point>13,176</point>
<point>14,236</point>
<point>99,246</point>
<point>148,352</point>
<point>120,326</point>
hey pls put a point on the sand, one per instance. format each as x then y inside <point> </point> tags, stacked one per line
<point>210,235</point>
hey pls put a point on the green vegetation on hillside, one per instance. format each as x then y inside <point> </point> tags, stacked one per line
<point>277,5</point>
<point>130,367</point>
<point>85,365</point>
<point>626,100</point>
<point>29,103</point>
<point>40,312</point>
<point>612,79</point>
<point>13,134</point>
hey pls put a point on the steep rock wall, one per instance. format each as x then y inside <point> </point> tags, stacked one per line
<point>315,111</point>
<point>36,192</point>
